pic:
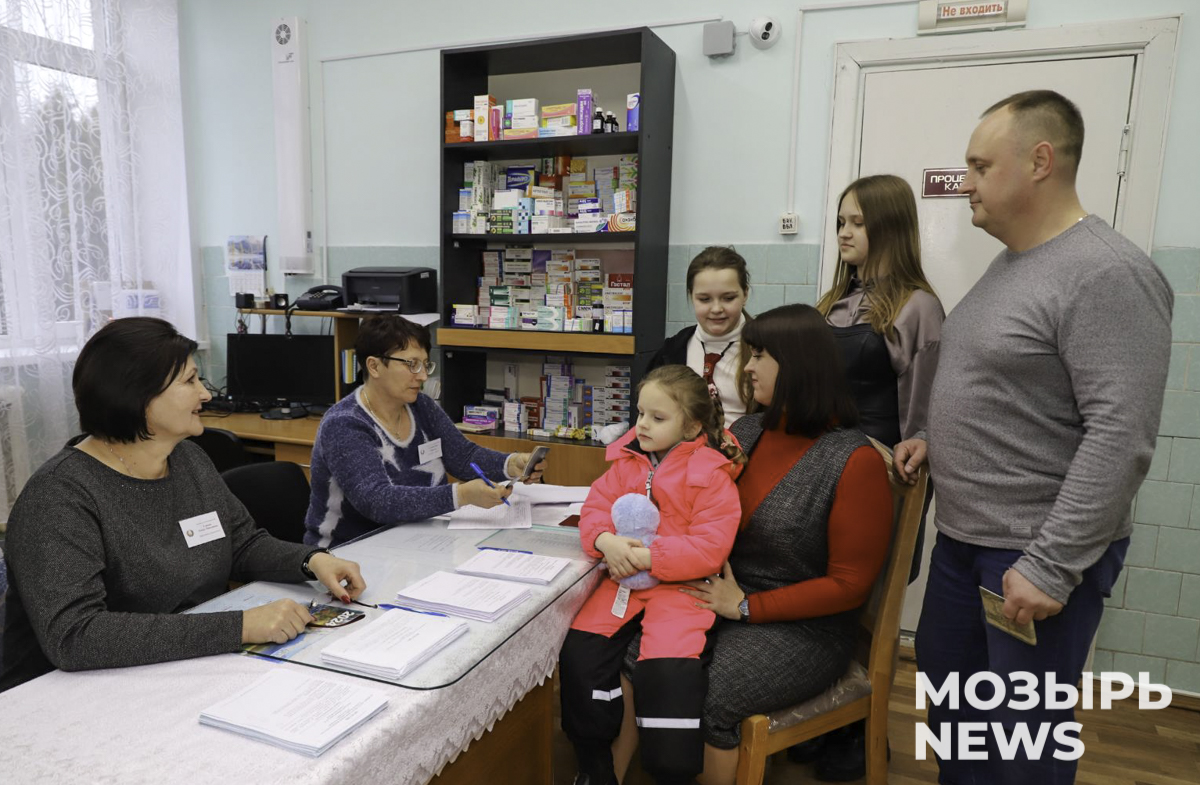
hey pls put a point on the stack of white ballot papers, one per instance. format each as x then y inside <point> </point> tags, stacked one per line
<point>296,711</point>
<point>513,566</point>
<point>464,595</point>
<point>542,493</point>
<point>529,505</point>
<point>393,644</point>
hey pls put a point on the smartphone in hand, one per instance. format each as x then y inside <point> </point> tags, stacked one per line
<point>538,455</point>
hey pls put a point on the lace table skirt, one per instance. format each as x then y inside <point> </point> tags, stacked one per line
<point>142,724</point>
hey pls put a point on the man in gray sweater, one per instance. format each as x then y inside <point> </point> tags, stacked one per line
<point>1042,424</point>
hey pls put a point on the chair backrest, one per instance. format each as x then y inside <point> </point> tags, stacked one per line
<point>223,448</point>
<point>276,495</point>
<point>880,618</point>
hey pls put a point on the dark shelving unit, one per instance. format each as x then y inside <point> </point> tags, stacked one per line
<point>545,239</point>
<point>465,74</point>
<point>622,143</point>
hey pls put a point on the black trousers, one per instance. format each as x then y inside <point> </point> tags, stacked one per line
<point>668,701</point>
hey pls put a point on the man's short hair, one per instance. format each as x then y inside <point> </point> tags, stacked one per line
<point>1050,117</point>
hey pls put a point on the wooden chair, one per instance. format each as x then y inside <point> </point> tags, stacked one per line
<point>863,692</point>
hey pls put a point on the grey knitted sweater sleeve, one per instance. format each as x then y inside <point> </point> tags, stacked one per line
<point>99,566</point>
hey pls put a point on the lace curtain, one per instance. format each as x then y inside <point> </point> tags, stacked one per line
<point>93,203</point>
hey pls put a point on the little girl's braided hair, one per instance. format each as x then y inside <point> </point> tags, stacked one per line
<point>689,390</point>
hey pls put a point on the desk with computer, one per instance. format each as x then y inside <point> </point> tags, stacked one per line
<point>291,376</point>
<point>305,374</point>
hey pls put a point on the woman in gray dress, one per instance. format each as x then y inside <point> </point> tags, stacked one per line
<point>115,535</point>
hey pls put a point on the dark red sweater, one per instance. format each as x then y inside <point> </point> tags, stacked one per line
<point>860,529</point>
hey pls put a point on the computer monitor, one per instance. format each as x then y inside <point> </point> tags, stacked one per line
<point>270,368</point>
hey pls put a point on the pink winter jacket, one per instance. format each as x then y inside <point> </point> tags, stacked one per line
<point>696,498</point>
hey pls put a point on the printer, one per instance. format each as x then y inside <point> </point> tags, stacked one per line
<point>398,289</point>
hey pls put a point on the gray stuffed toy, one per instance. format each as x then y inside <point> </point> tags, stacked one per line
<point>635,516</point>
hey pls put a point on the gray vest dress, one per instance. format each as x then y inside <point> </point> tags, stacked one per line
<point>758,668</point>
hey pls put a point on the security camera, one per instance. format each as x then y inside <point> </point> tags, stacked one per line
<point>764,32</point>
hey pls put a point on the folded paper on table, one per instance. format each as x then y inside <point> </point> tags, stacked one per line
<point>515,515</point>
<point>541,493</point>
<point>554,514</point>
<point>510,565</point>
<point>296,711</point>
<point>394,644</point>
<point>543,542</point>
<point>481,599</point>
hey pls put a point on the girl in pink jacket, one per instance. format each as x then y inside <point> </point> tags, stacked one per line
<point>673,457</point>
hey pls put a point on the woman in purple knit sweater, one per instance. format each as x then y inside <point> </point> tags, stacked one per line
<point>382,453</point>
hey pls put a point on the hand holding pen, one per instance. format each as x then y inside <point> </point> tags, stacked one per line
<point>483,495</point>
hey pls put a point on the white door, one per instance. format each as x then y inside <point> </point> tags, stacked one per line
<point>921,118</point>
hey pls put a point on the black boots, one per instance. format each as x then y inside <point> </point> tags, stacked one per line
<point>583,779</point>
<point>841,755</point>
<point>807,751</point>
<point>844,758</point>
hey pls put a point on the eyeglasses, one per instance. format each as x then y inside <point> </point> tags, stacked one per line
<point>414,365</point>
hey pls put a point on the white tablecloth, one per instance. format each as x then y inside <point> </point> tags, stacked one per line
<point>135,725</point>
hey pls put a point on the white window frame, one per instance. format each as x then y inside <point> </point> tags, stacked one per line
<point>44,52</point>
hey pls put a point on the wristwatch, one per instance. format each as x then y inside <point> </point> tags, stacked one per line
<point>744,609</point>
<point>304,567</point>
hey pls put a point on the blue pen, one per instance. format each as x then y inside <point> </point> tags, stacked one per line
<point>507,550</point>
<point>410,610</point>
<point>489,482</point>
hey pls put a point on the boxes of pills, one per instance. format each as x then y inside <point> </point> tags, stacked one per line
<point>465,316</point>
<point>496,126</point>
<point>583,108</point>
<point>481,415</point>
<point>633,111</point>
<point>625,200</point>
<point>483,116</point>
<point>522,106</point>
<point>558,110</point>
<point>621,222</point>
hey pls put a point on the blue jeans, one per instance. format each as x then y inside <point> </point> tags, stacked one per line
<point>952,637</point>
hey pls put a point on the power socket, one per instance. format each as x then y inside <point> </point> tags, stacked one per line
<point>789,223</point>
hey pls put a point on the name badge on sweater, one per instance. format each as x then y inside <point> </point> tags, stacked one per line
<point>427,451</point>
<point>201,529</point>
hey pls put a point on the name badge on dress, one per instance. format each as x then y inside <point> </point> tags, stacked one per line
<point>201,529</point>
<point>427,451</point>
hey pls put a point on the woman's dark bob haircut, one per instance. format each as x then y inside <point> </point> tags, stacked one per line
<point>811,388</point>
<point>124,366</point>
<point>379,336</point>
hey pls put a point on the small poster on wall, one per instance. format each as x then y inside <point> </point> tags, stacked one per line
<point>246,264</point>
<point>943,182</point>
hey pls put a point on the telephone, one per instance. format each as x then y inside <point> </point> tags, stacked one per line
<point>325,297</point>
